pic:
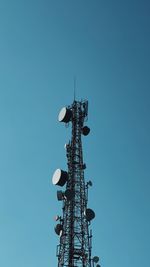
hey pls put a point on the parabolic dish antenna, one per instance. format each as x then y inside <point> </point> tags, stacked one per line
<point>58,229</point>
<point>85,130</point>
<point>96,259</point>
<point>65,115</point>
<point>90,214</point>
<point>69,194</point>
<point>59,177</point>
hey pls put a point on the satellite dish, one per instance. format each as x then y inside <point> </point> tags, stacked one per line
<point>90,214</point>
<point>85,130</point>
<point>96,259</point>
<point>58,229</point>
<point>65,115</point>
<point>59,177</point>
<point>69,194</point>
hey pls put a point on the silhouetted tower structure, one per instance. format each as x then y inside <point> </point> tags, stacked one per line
<point>73,227</point>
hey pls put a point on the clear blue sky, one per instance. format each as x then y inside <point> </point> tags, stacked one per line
<point>43,44</point>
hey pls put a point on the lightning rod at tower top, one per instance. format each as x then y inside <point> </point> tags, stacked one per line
<point>73,227</point>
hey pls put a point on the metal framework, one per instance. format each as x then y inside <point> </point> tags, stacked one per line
<point>74,249</point>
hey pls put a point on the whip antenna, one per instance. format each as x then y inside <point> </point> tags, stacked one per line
<point>74,87</point>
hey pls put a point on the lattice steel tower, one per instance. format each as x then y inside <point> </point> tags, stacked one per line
<point>73,227</point>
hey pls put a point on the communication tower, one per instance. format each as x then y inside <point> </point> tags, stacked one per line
<point>74,226</point>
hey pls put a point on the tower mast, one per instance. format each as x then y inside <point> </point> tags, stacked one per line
<point>73,227</point>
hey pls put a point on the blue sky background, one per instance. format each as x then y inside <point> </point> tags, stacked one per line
<point>43,44</point>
